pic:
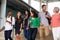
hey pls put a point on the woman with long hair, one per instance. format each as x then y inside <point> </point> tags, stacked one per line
<point>26,25</point>
<point>18,25</point>
<point>34,25</point>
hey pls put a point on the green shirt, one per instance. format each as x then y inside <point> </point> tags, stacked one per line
<point>34,22</point>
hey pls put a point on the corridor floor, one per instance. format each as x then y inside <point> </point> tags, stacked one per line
<point>22,36</point>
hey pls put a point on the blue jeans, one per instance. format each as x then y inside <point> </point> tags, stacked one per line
<point>27,34</point>
<point>8,35</point>
<point>33,33</point>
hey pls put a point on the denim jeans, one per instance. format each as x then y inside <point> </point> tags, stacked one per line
<point>27,33</point>
<point>33,33</point>
<point>8,35</point>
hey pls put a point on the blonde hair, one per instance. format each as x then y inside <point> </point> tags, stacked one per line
<point>56,9</point>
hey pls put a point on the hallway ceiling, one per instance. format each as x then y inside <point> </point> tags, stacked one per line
<point>19,5</point>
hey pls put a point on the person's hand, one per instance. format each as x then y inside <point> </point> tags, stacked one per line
<point>27,28</point>
<point>47,16</point>
<point>2,28</point>
<point>51,26</point>
<point>41,24</point>
<point>9,22</point>
<point>50,29</point>
<point>20,30</point>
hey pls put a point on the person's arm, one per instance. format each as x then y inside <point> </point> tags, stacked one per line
<point>13,21</point>
<point>41,24</point>
<point>9,22</point>
<point>23,22</point>
<point>21,26</point>
<point>28,25</point>
<point>48,16</point>
<point>2,29</point>
<point>51,22</point>
<point>40,16</point>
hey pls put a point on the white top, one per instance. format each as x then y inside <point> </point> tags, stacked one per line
<point>43,19</point>
<point>7,25</point>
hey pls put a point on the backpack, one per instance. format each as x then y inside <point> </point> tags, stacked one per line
<point>11,24</point>
<point>49,19</point>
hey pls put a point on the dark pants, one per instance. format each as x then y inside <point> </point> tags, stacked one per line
<point>33,33</point>
<point>27,34</point>
<point>8,35</point>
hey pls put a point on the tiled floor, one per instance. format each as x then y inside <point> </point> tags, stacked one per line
<point>22,36</point>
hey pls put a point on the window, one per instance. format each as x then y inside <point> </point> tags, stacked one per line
<point>51,7</point>
<point>35,4</point>
<point>26,1</point>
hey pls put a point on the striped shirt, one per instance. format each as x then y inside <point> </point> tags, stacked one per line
<point>43,18</point>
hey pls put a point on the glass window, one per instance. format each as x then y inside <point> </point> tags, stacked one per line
<point>26,1</point>
<point>35,4</point>
<point>51,7</point>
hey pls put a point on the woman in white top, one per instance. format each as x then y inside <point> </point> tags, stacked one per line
<point>8,26</point>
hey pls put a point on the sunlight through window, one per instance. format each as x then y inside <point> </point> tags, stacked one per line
<point>51,7</point>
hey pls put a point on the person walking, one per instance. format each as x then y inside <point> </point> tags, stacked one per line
<point>8,26</point>
<point>55,24</point>
<point>44,24</point>
<point>34,25</point>
<point>26,25</point>
<point>18,25</point>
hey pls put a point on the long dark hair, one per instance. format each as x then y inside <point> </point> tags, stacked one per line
<point>28,13</point>
<point>20,18</point>
<point>34,14</point>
